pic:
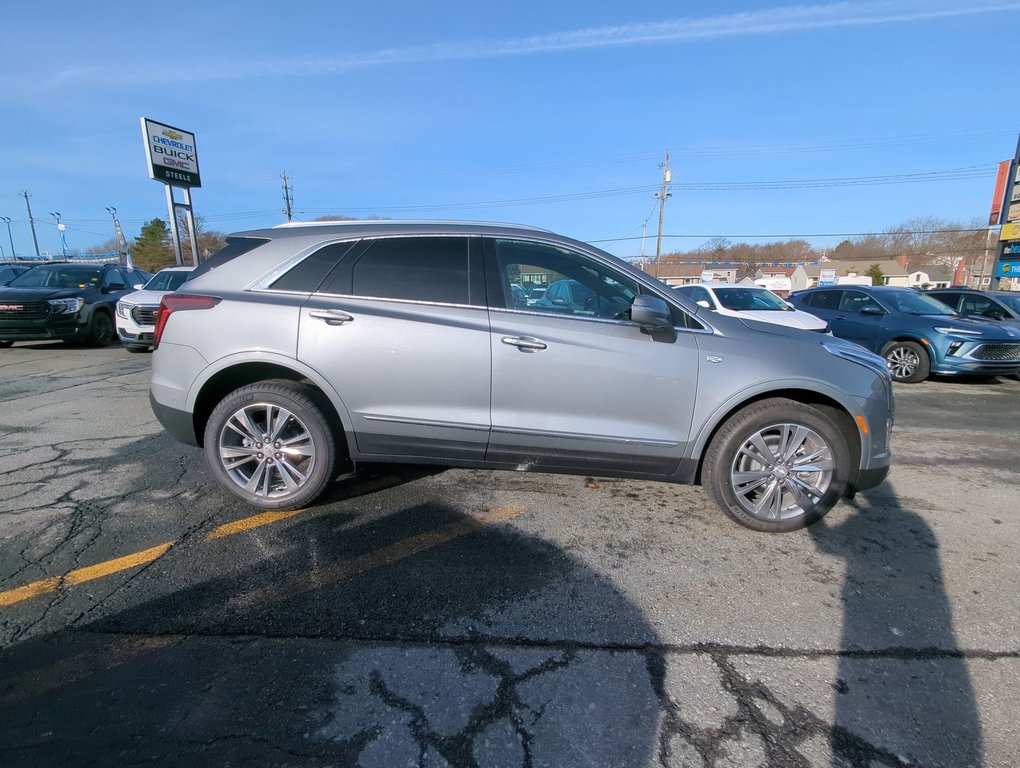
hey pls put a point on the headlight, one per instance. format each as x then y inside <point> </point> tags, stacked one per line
<point>861,356</point>
<point>123,309</point>
<point>66,306</point>
<point>948,329</point>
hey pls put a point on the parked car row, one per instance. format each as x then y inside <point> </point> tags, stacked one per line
<point>81,302</point>
<point>948,331</point>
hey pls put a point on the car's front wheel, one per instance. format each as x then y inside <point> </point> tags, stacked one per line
<point>136,347</point>
<point>5,344</point>
<point>101,331</point>
<point>777,465</point>
<point>271,444</point>
<point>908,362</point>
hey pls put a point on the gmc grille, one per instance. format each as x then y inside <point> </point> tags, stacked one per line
<point>997,352</point>
<point>144,315</point>
<point>29,310</point>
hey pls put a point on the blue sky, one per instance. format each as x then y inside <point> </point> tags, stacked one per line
<point>781,119</point>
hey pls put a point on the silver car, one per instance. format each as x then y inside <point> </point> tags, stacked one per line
<point>302,350</point>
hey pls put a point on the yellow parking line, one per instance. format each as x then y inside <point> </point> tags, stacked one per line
<point>81,575</point>
<point>248,523</point>
<point>385,556</point>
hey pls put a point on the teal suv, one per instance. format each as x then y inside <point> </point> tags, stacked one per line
<point>916,334</point>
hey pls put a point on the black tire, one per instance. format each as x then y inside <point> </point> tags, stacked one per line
<point>739,483</point>
<point>5,344</point>
<point>311,465</point>
<point>101,330</point>
<point>137,347</point>
<point>908,361</point>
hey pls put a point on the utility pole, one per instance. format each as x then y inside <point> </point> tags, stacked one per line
<point>31,222</point>
<point>662,194</point>
<point>644,226</point>
<point>7,221</point>
<point>288,198</point>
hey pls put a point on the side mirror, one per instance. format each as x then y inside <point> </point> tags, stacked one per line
<point>703,303</point>
<point>138,286</point>
<point>654,317</point>
<point>113,287</point>
<point>876,311</point>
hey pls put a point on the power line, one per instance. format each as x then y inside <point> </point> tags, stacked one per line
<point>804,235</point>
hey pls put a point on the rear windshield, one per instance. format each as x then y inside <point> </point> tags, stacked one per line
<point>236,246</point>
<point>168,280</point>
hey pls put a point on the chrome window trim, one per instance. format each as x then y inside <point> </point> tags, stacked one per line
<point>394,301</point>
<point>262,283</point>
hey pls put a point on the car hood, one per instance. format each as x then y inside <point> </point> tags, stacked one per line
<point>990,330</point>
<point>791,319</point>
<point>144,297</point>
<point>8,294</point>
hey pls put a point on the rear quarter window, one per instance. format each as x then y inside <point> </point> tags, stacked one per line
<point>236,246</point>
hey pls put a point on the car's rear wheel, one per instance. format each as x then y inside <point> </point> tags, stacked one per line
<point>777,465</point>
<point>908,362</point>
<point>101,331</point>
<point>271,445</point>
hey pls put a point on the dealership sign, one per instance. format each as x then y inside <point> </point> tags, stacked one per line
<point>172,156</point>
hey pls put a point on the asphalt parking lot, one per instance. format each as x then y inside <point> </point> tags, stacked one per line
<point>467,618</point>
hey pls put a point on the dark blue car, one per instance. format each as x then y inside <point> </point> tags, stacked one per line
<point>916,334</point>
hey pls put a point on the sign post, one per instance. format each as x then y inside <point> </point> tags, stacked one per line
<point>1007,199</point>
<point>173,159</point>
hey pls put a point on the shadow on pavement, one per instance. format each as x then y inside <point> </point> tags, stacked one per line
<point>279,651</point>
<point>902,680</point>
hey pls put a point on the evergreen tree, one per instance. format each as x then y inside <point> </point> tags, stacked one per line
<point>153,249</point>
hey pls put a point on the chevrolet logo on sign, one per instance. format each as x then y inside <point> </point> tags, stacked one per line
<point>170,133</point>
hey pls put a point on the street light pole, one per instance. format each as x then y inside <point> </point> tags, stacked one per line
<point>60,232</point>
<point>125,255</point>
<point>7,221</point>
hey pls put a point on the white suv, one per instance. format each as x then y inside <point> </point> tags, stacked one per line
<point>136,312</point>
<point>751,302</point>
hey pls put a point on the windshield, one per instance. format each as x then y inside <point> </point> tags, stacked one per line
<point>62,276</point>
<point>913,303</point>
<point>167,280</point>
<point>1013,302</point>
<point>750,299</point>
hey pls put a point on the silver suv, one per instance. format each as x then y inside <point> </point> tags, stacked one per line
<point>299,351</point>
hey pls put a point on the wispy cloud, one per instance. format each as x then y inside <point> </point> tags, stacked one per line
<point>762,22</point>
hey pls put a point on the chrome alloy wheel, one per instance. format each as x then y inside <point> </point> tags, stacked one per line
<point>903,362</point>
<point>782,471</point>
<point>266,450</point>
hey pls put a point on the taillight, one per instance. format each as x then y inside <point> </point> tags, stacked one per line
<point>178,302</point>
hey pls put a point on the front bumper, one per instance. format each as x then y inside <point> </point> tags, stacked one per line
<point>65,327</point>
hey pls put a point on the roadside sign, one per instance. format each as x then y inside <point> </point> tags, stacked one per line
<point>708,276</point>
<point>1010,231</point>
<point>172,155</point>
<point>1011,249</point>
<point>827,277</point>
<point>1008,269</point>
<point>1000,190</point>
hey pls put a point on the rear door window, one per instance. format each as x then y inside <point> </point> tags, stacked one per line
<point>433,269</point>
<point>824,300</point>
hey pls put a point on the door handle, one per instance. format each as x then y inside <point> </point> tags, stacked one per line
<point>331,316</point>
<point>839,317</point>
<point>525,343</point>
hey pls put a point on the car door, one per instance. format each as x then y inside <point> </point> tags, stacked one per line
<point>400,328</point>
<point>859,318</point>
<point>583,390</point>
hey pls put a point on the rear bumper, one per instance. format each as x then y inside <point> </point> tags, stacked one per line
<point>178,423</point>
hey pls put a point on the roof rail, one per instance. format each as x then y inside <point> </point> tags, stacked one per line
<point>384,222</point>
